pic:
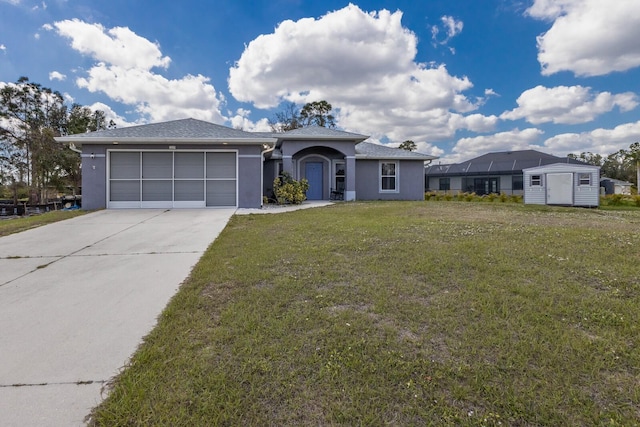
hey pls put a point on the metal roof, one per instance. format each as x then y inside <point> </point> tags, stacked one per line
<point>497,163</point>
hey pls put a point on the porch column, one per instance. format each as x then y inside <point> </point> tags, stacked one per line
<point>350,190</point>
<point>287,165</point>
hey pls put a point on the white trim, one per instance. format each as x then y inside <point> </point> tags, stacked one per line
<point>172,203</point>
<point>334,164</point>
<point>92,156</point>
<point>250,156</point>
<point>397,176</point>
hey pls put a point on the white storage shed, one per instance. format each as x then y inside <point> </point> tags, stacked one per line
<point>562,184</point>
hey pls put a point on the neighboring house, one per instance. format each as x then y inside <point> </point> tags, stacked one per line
<point>615,186</point>
<point>490,173</point>
<point>192,163</point>
<point>562,184</point>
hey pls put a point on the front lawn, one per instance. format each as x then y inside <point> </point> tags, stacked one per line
<point>416,313</point>
<point>16,225</point>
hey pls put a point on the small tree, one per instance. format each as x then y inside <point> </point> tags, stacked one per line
<point>408,145</point>
<point>316,113</point>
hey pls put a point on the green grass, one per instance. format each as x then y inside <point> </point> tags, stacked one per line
<point>424,313</point>
<point>16,225</point>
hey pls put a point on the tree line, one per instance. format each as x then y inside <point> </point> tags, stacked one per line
<point>32,163</point>
<point>623,164</point>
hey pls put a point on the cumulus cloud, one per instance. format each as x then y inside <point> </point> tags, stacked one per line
<point>516,139</point>
<point>125,72</point>
<point>55,75</point>
<point>364,64</point>
<point>567,104</point>
<point>241,121</point>
<point>3,48</point>
<point>588,37</point>
<point>451,27</point>
<point>599,141</point>
<point>118,46</point>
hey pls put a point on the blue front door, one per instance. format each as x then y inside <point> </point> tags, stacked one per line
<point>313,173</point>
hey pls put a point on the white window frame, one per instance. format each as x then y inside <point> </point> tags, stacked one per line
<point>396,176</point>
<point>335,176</point>
<point>584,179</point>
<point>535,178</point>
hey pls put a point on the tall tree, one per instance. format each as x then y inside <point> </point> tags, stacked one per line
<point>317,113</point>
<point>30,117</point>
<point>408,145</point>
<point>633,155</point>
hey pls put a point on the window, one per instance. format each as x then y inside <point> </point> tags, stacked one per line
<point>516,182</point>
<point>389,176</point>
<point>584,179</point>
<point>536,180</point>
<point>445,184</point>
<point>338,182</point>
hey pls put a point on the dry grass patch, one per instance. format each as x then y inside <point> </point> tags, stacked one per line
<point>399,313</point>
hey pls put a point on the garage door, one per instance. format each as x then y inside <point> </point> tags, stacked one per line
<point>168,179</point>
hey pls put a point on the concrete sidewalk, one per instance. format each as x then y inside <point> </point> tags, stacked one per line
<point>76,298</point>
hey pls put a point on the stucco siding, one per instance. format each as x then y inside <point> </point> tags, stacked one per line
<point>408,174</point>
<point>95,174</point>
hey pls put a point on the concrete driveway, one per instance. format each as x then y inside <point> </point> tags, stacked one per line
<point>76,298</point>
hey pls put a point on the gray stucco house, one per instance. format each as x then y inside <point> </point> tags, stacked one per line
<point>192,163</point>
<point>490,173</point>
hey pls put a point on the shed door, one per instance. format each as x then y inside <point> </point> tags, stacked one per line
<point>560,189</point>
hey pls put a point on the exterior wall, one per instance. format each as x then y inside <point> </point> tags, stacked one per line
<point>583,195</point>
<point>94,177</point>
<point>94,171</point>
<point>409,174</point>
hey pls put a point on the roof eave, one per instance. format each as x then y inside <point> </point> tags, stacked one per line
<point>382,157</point>
<point>323,138</point>
<point>79,141</point>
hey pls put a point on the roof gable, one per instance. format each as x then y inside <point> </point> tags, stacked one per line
<point>320,132</point>
<point>368,150</point>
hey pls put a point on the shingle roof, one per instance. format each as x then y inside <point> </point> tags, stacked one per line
<point>368,150</point>
<point>499,163</point>
<point>320,132</point>
<point>185,129</point>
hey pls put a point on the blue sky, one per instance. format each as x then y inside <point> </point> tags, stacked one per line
<point>460,78</point>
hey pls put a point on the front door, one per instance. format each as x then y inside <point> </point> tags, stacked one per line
<point>313,173</point>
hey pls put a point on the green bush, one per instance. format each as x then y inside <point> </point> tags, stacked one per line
<point>288,190</point>
<point>636,200</point>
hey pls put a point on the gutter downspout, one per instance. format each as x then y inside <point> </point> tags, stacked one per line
<point>72,147</point>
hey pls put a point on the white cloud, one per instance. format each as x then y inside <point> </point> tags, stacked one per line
<point>490,92</point>
<point>55,75</point>
<point>13,2</point>
<point>599,141</point>
<point>567,104</point>
<point>125,74</point>
<point>451,27</point>
<point>516,139</point>
<point>588,37</point>
<point>118,46</point>
<point>364,64</point>
<point>109,114</point>
<point>3,48</point>
<point>241,121</point>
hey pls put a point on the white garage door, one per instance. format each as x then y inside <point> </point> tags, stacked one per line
<point>168,179</point>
